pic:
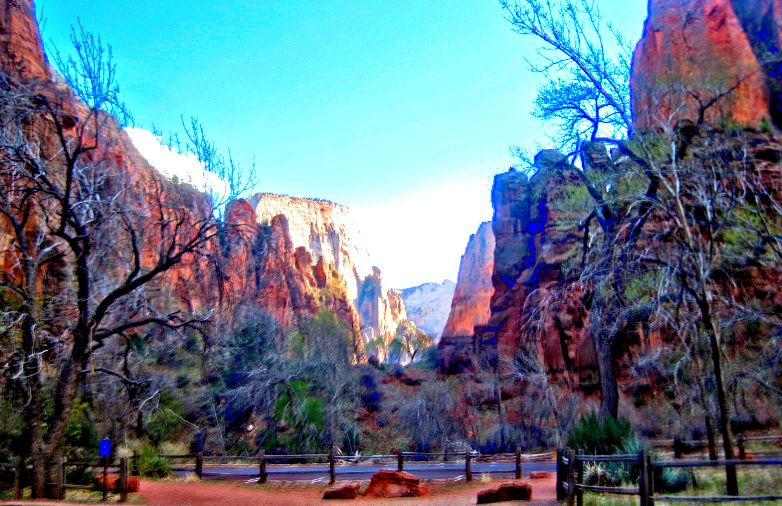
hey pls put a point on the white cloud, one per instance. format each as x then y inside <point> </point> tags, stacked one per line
<point>169,162</point>
<point>420,237</point>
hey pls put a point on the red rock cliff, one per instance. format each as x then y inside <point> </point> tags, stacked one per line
<point>694,51</point>
<point>471,299</point>
<point>287,256</point>
<point>21,50</point>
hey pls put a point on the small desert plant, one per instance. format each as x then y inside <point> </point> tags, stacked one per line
<point>597,473</point>
<point>150,463</point>
<point>599,437</point>
<point>674,479</point>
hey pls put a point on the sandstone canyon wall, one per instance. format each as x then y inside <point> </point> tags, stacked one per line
<point>287,256</point>
<point>695,51</point>
<point>20,42</point>
<point>470,306</point>
<point>691,50</point>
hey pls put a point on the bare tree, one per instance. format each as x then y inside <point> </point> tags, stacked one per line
<point>588,93</point>
<point>70,205</point>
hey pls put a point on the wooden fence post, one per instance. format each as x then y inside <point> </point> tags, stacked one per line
<point>468,466</point>
<point>571,478</point>
<point>741,442</point>
<point>263,476</point>
<point>561,494</point>
<point>60,470</point>
<point>677,447</point>
<point>580,477</point>
<point>199,465</point>
<point>105,479</point>
<point>650,480</point>
<point>400,461</point>
<point>643,474</point>
<point>332,471</point>
<point>18,473</point>
<point>123,479</point>
<point>518,463</point>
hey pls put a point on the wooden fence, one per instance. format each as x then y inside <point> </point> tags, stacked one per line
<point>262,461</point>
<point>196,462</point>
<point>60,485</point>
<point>571,486</point>
<point>683,446</point>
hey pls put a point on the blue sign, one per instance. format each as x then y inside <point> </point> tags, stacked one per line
<point>104,448</point>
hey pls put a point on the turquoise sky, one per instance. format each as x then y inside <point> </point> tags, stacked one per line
<point>397,108</point>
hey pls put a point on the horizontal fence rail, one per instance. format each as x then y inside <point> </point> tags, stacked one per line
<point>205,465</point>
<point>571,486</point>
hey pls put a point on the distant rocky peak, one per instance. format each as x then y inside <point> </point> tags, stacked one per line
<point>428,305</point>
<point>325,229</point>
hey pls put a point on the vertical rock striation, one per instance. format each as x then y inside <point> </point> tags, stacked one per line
<point>709,60</point>
<point>471,299</point>
<point>21,49</point>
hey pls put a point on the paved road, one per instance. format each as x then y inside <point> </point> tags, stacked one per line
<point>357,472</point>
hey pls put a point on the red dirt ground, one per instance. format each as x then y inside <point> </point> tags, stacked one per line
<point>201,494</point>
<point>163,493</point>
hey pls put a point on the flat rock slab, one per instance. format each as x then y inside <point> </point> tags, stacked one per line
<point>508,491</point>
<point>344,491</point>
<point>387,483</point>
<point>539,475</point>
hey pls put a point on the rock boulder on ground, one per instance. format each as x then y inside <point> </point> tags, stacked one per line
<point>508,491</point>
<point>387,483</point>
<point>343,491</point>
<point>113,483</point>
<point>539,475</point>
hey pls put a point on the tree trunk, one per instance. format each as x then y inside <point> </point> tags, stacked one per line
<point>710,437</point>
<point>609,398</point>
<point>34,409</point>
<point>707,412</point>
<point>722,398</point>
<point>603,342</point>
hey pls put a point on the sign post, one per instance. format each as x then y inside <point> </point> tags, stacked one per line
<point>104,452</point>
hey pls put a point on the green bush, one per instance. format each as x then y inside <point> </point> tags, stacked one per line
<point>150,463</point>
<point>599,437</point>
<point>674,479</point>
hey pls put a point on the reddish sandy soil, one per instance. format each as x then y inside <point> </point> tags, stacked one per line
<point>198,494</point>
<point>158,493</point>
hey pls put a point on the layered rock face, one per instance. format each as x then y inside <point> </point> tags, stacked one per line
<point>695,51</point>
<point>323,228</point>
<point>331,263</point>
<point>472,295</point>
<point>21,51</point>
<point>287,256</point>
<point>428,305</point>
<point>380,312</point>
<point>471,304</point>
<point>537,241</point>
<point>263,268</point>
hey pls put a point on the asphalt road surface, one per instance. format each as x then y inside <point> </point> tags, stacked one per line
<point>357,472</point>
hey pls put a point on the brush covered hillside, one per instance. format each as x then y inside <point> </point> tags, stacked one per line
<point>639,276</point>
<point>194,318</point>
<point>634,273</point>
